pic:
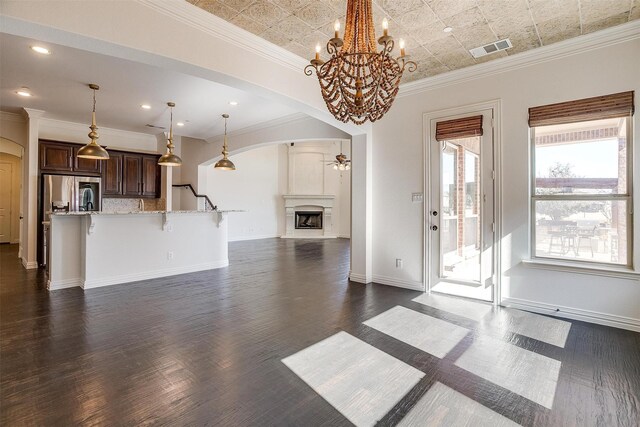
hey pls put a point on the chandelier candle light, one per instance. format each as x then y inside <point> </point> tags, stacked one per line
<point>169,159</point>
<point>92,150</point>
<point>224,163</point>
<point>359,83</point>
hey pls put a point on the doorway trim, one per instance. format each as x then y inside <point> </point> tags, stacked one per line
<point>427,119</point>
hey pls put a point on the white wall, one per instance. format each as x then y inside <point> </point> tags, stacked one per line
<point>255,186</point>
<point>398,139</point>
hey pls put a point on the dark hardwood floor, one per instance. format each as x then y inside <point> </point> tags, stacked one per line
<point>207,348</point>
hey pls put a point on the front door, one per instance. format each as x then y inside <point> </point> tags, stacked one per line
<point>461,215</point>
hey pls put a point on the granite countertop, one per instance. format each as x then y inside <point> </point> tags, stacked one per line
<point>82,213</point>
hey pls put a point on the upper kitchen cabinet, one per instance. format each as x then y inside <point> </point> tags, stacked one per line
<point>56,157</point>
<point>151,174</point>
<point>112,175</point>
<point>132,175</point>
<point>124,174</point>
<point>88,166</point>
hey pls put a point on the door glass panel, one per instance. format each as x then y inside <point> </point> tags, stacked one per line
<point>461,211</point>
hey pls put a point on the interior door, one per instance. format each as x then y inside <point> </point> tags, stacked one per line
<point>461,215</point>
<point>5,201</point>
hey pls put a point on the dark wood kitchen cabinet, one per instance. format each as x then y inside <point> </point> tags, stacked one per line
<point>112,175</point>
<point>88,166</point>
<point>140,175</point>
<point>151,174</point>
<point>56,157</point>
<point>132,175</point>
<point>124,174</point>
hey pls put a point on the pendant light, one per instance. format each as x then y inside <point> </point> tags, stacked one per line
<point>224,163</point>
<point>169,159</point>
<point>92,150</point>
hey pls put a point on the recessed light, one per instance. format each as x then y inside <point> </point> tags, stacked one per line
<point>40,49</point>
<point>145,106</point>
<point>234,103</point>
<point>447,29</point>
<point>180,124</point>
<point>24,91</point>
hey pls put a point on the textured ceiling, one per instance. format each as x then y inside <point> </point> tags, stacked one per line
<point>297,25</point>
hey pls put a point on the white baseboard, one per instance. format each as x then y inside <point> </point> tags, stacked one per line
<point>29,265</point>
<point>358,278</point>
<point>155,274</point>
<point>63,284</point>
<point>244,238</point>
<point>308,237</point>
<point>344,236</point>
<point>407,284</point>
<point>574,313</point>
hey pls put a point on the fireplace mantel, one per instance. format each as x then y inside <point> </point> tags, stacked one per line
<point>293,200</point>
<point>305,202</point>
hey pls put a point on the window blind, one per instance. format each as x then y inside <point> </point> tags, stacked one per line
<point>598,107</point>
<point>459,128</point>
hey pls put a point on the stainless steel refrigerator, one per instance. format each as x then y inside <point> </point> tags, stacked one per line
<point>66,193</point>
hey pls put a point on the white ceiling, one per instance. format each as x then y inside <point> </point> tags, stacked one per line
<point>59,85</point>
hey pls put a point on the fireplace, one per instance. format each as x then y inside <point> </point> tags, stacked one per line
<point>308,220</point>
<point>308,216</point>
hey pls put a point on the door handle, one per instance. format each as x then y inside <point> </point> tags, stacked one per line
<point>434,227</point>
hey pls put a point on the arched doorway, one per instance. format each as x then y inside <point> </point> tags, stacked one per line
<point>10,190</point>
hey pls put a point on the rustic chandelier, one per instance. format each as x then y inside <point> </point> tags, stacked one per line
<point>360,83</point>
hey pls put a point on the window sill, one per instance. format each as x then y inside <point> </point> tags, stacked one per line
<point>621,273</point>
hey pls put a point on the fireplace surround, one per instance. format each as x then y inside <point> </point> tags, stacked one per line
<point>308,216</point>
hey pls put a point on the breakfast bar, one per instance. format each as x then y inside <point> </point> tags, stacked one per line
<point>92,249</point>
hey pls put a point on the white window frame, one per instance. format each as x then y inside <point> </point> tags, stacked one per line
<point>628,197</point>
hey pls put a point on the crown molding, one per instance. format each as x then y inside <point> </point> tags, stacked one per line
<point>600,39</point>
<point>291,118</point>
<point>32,113</point>
<point>83,127</point>
<point>209,23</point>
<point>11,117</point>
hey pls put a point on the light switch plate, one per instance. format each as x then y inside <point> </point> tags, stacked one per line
<point>417,197</point>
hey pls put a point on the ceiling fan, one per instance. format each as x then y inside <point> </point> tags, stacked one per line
<point>341,162</point>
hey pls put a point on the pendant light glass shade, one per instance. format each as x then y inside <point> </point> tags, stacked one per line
<point>169,159</point>
<point>92,150</point>
<point>224,163</point>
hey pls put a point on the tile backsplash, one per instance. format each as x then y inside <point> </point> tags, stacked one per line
<point>132,205</point>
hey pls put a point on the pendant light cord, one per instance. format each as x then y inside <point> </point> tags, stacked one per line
<point>171,126</point>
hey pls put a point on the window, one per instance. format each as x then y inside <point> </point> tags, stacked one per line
<point>581,182</point>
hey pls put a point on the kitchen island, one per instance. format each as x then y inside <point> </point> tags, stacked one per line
<point>91,249</point>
